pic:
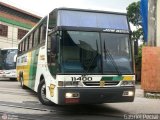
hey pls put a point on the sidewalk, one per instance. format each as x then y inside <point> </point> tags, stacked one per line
<point>141,105</point>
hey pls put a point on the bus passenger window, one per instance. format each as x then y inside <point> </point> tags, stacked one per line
<point>42,34</point>
<point>33,38</point>
<point>19,49</point>
<point>30,41</point>
<point>36,37</point>
<point>22,46</point>
<point>26,44</point>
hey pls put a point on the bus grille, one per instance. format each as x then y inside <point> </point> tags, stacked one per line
<point>107,83</point>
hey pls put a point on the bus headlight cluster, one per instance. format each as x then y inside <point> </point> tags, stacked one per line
<point>68,83</point>
<point>127,83</point>
<point>72,95</point>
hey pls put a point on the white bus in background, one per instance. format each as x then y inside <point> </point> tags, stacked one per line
<point>8,63</point>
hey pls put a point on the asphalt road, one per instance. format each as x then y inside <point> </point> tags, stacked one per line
<point>20,104</point>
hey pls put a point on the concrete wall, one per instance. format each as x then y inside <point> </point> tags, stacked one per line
<point>158,23</point>
<point>152,9</point>
<point>11,40</point>
<point>154,23</point>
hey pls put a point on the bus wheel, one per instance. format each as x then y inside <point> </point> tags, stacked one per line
<point>42,94</point>
<point>22,83</point>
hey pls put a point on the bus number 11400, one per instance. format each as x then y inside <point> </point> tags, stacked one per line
<point>81,78</point>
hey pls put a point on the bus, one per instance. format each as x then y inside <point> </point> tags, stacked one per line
<point>8,63</point>
<point>78,56</point>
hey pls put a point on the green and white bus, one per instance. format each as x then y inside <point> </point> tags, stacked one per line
<point>75,56</point>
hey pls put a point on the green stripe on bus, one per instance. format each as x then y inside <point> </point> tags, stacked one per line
<point>33,68</point>
<point>112,78</point>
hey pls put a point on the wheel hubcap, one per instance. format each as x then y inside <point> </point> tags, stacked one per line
<point>43,93</point>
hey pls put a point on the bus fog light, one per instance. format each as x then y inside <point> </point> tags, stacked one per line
<point>68,83</point>
<point>128,93</point>
<point>72,95</point>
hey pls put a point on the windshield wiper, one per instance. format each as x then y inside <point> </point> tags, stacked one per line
<point>108,55</point>
<point>92,60</point>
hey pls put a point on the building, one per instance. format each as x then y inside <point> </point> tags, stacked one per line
<point>14,24</point>
<point>154,23</point>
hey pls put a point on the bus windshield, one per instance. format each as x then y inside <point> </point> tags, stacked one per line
<point>95,52</point>
<point>8,59</point>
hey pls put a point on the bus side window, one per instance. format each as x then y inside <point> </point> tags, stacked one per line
<point>54,48</point>
<point>26,44</point>
<point>42,34</point>
<point>19,48</point>
<point>53,45</point>
<point>30,41</point>
<point>33,39</point>
<point>52,54</point>
<point>22,46</point>
<point>36,37</point>
<point>43,31</point>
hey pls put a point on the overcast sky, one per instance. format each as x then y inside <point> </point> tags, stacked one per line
<point>42,7</point>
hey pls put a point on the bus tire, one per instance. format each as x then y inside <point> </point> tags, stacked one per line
<point>22,83</point>
<point>42,94</point>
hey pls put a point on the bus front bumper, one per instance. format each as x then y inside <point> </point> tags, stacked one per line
<point>95,95</point>
<point>8,76</point>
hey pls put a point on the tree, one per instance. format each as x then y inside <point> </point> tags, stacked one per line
<point>133,13</point>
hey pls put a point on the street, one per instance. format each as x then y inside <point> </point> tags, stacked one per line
<point>23,104</point>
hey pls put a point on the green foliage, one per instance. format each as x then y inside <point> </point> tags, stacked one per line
<point>133,12</point>
<point>139,56</point>
<point>137,34</point>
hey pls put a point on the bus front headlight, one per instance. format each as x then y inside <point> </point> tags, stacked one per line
<point>127,83</point>
<point>72,95</point>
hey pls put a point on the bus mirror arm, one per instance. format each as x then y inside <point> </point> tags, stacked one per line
<point>15,58</point>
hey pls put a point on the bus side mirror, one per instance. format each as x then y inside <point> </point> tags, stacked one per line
<point>15,58</point>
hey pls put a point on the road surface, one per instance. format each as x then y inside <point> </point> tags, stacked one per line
<point>23,104</point>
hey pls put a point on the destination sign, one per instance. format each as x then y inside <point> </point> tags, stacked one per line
<point>116,30</point>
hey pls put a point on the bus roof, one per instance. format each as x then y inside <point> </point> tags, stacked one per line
<point>73,9</point>
<point>89,10</point>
